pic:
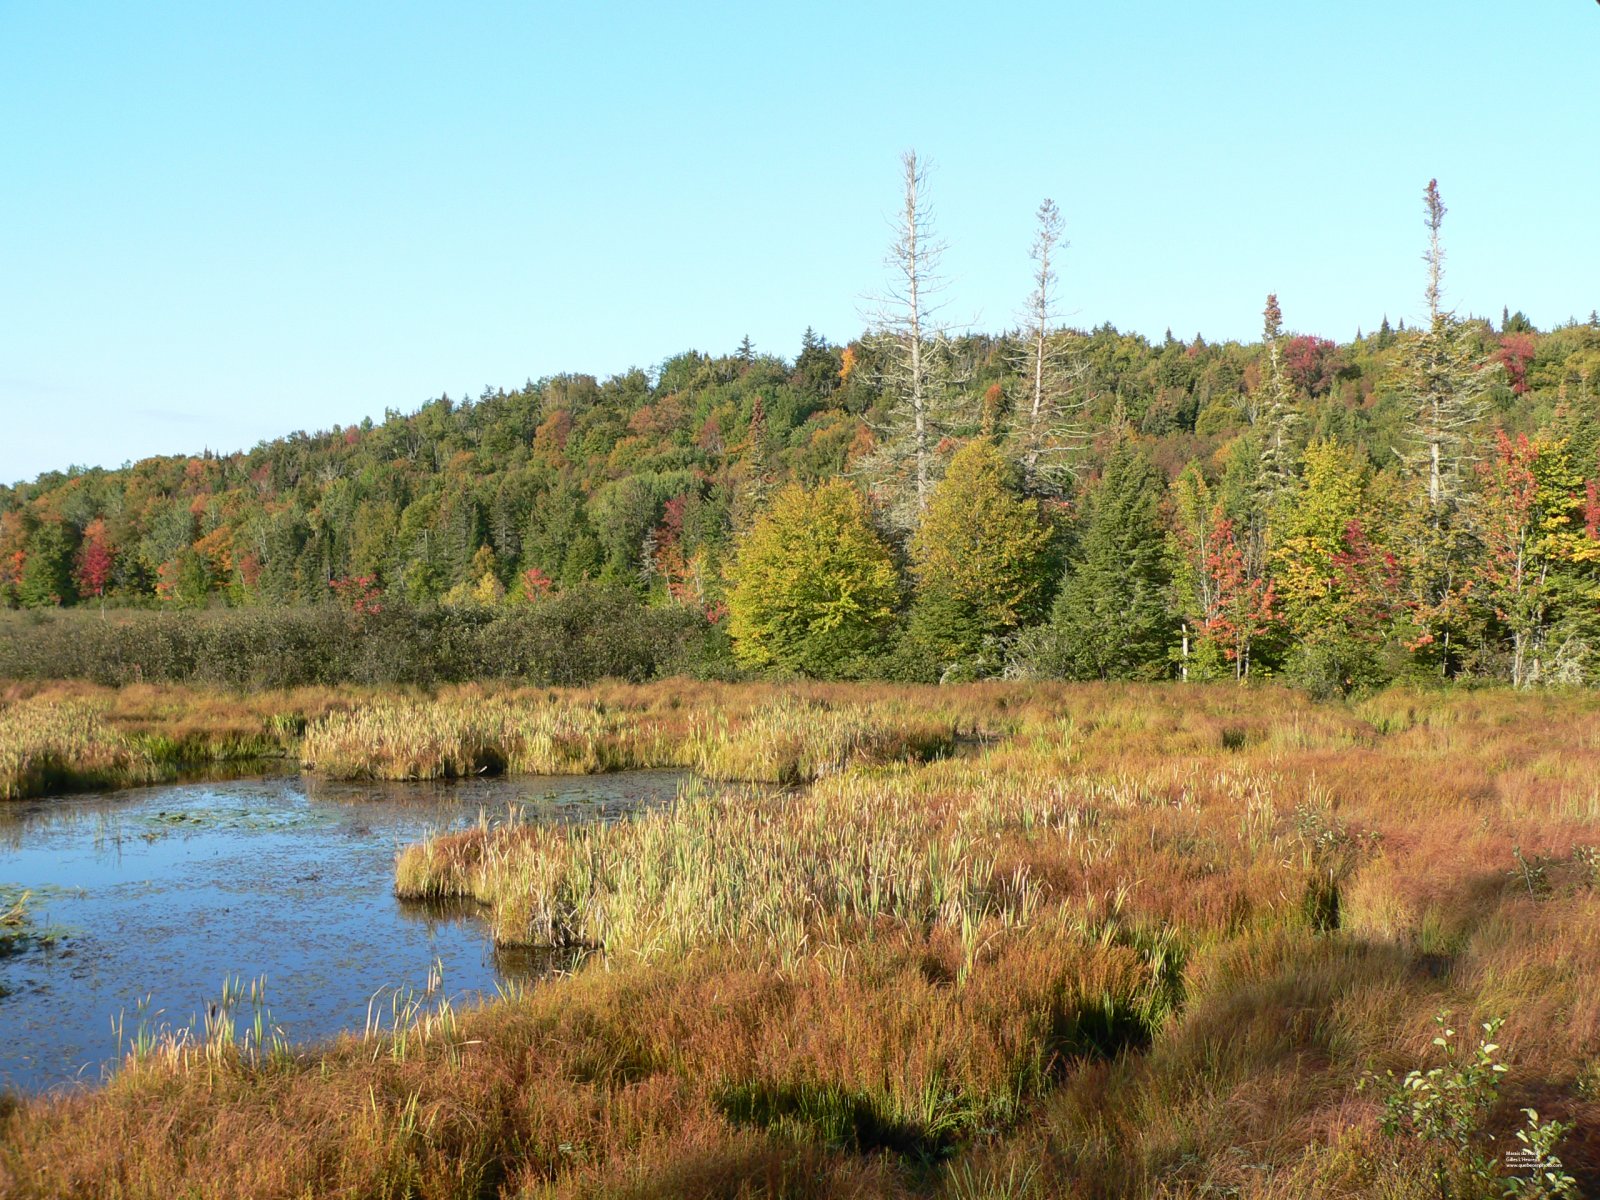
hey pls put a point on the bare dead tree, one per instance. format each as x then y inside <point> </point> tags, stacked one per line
<point>1449,383</point>
<point>1054,377</point>
<point>914,364</point>
<point>1449,380</point>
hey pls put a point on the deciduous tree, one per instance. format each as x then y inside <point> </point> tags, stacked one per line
<point>979,556</point>
<point>1540,562</point>
<point>1225,605</point>
<point>814,588</point>
<point>1340,592</point>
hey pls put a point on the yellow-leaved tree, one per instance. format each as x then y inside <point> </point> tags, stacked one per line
<point>981,557</point>
<point>814,588</point>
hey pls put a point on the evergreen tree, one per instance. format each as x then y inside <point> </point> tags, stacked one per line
<point>1274,410</point>
<point>755,486</point>
<point>1111,619</point>
<point>816,369</point>
<point>1448,381</point>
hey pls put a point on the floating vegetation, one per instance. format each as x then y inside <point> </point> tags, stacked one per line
<point>18,929</point>
<point>230,818</point>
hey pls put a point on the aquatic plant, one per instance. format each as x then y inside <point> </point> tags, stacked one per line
<point>795,739</point>
<point>452,738</point>
<point>788,739</point>
<point>50,746</point>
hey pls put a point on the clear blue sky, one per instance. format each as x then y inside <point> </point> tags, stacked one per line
<point>223,222</point>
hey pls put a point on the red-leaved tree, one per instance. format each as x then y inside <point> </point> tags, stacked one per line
<point>1243,605</point>
<point>96,560</point>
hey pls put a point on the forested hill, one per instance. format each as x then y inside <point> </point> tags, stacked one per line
<point>580,478</point>
<point>645,478</point>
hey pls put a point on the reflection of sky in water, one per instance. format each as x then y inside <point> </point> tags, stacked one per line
<point>164,892</point>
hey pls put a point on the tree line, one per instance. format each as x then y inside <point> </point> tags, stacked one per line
<point>924,502</point>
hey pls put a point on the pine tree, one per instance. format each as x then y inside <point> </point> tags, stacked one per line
<point>1111,619</point>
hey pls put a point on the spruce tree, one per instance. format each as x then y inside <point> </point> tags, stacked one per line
<point>1111,620</point>
<point>1275,410</point>
<point>1449,381</point>
<point>755,484</point>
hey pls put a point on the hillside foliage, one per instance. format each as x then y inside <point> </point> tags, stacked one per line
<point>1410,502</point>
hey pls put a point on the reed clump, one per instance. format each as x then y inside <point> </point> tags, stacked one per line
<point>456,737</point>
<point>790,739</point>
<point>796,739</point>
<point>772,872</point>
<point>50,746</point>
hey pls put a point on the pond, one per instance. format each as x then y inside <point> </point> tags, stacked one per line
<point>155,896</point>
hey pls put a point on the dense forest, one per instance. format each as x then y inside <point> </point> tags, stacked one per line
<point>929,503</point>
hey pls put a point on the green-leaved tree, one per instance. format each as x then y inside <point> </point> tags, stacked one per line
<point>1111,620</point>
<point>980,557</point>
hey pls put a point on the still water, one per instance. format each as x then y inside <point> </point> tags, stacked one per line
<point>157,895</point>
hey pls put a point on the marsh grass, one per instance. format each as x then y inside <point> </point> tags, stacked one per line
<point>796,740</point>
<point>787,740</point>
<point>73,737</point>
<point>49,747</point>
<point>1146,942</point>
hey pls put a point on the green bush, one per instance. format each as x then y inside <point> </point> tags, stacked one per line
<point>569,638</point>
